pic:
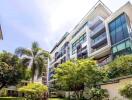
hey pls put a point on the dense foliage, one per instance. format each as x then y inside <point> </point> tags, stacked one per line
<point>74,75</point>
<point>33,91</point>
<point>126,91</point>
<point>122,66</point>
<point>97,94</point>
<point>34,57</point>
<point>11,72</point>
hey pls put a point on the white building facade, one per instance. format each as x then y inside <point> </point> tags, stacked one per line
<point>100,34</point>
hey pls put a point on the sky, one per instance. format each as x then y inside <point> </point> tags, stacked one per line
<point>44,21</point>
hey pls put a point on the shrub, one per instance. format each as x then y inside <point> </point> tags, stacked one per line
<point>33,91</point>
<point>3,92</point>
<point>126,91</point>
<point>121,66</point>
<point>97,94</point>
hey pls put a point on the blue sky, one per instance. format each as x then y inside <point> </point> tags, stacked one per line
<point>44,21</point>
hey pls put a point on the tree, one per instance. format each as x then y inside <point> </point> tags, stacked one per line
<point>74,75</point>
<point>33,58</point>
<point>33,91</point>
<point>10,70</point>
<point>126,91</point>
<point>122,66</point>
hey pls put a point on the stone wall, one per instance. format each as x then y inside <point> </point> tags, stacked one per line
<point>114,87</point>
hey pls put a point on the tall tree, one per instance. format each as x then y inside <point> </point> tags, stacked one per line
<point>75,74</point>
<point>10,70</point>
<point>34,58</point>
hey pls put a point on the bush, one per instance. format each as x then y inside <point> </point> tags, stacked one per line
<point>97,94</point>
<point>126,91</point>
<point>33,91</point>
<point>121,66</point>
<point>11,98</point>
<point>3,92</point>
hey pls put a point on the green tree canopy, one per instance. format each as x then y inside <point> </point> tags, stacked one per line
<point>10,69</point>
<point>75,74</point>
<point>34,57</point>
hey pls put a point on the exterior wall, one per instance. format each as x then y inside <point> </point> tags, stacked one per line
<point>113,88</point>
<point>103,54</point>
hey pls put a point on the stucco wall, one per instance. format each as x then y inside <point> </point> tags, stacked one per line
<point>113,88</point>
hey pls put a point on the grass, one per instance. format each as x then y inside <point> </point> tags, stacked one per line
<point>11,98</point>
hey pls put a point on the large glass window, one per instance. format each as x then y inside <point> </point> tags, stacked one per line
<point>81,40</point>
<point>118,29</point>
<point>124,47</point>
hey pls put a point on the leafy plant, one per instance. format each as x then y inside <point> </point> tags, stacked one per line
<point>33,91</point>
<point>121,66</point>
<point>126,91</point>
<point>3,92</point>
<point>98,94</point>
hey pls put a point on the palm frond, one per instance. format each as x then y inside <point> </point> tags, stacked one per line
<point>26,61</point>
<point>35,48</point>
<point>22,51</point>
<point>43,53</point>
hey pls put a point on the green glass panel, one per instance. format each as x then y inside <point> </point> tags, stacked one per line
<point>114,49</point>
<point>127,43</point>
<point>121,46</point>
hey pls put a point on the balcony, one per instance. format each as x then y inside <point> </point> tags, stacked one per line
<point>94,22</point>
<point>100,42</point>
<point>82,52</point>
<point>97,30</point>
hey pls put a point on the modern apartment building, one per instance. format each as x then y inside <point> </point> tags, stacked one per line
<point>100,34</point>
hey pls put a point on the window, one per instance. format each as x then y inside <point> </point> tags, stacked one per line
<point>119,34</point>
<point>112,36</point>
<point>125,31</point>
<point>112,26</point>
<point>122,48</point>
<point>123,19</point>
<point>118,22</point>
<point>81,40</point>
<point>118,29</point>
<point>114,49</point>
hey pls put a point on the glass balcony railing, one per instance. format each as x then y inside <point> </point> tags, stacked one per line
<point>99,41</point>
<point>97,30</point>
<point>94,22</point>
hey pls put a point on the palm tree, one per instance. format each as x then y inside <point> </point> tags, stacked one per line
<point>33,58</point>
